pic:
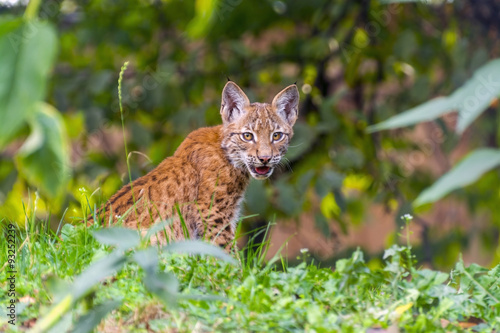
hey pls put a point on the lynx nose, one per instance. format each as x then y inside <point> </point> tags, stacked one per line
<point>264,159</point>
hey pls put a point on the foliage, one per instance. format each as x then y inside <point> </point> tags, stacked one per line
<point>470,100</point>
<point>77,282</point>
<point>356,63</point>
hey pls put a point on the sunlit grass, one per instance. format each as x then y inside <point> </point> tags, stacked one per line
<point>209,294</point>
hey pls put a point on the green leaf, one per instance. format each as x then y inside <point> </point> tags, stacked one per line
<point>44,157</point>
<point>91,319</point>
<point>476,94</point>
<point>164,285</point>
<point>255,198</point>
<point>199,247</point>
<point>303,137</point>
<point>464,173</point>
<point>204,16</point>
<point>27,54</point>
<point>470,100</point>
<point>147,259</point>
<point>157,227</point>
<point>424,112</point>
<point>96,272</point>
<point>122,238</point>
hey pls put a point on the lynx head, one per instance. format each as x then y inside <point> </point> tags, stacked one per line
<point>256,135</point>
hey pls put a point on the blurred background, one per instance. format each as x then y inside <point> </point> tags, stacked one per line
<point>356,63</point>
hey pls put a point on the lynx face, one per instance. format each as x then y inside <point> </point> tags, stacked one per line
<point>256,136</point>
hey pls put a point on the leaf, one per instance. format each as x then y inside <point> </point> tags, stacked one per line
<point>44,157</point>
<point>147,259</point>
<point>329,207</point>
<point>303,138</point>
<point>477,94</point>
<point>27,54</point>
<point>255,198</point>
<point>96,272</point>
<point>54,315</point>
<point>470,100</point>
<point>402,309</point>
<point>199,247</point>
<point>91,319</point>
<point>424,112</point>
<point>157,227</point>
<point>288,198</point>
<point>164,285</point>
<point>470,169</point>
<point>122,238</point>
<point>203,19</point>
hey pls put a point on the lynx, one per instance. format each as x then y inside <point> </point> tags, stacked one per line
<point>202,185</point>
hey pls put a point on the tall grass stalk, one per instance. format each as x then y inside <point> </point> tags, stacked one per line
<point>120,79</point>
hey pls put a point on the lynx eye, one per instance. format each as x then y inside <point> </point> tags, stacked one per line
<point>247,136</point>
<point>277,136</point>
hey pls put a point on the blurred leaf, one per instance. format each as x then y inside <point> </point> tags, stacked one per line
<point>122,238</point>
<point>44,157</point>
<point>99,81</point>
<point>471,99</point>
<point>91,319</point>
<point>27,53</point>
<point>304,180</point>
<point>157,227</point>
<point>255,198</point>
<point>477,94</point>
<point>164,285</point>
<point>287,198</point>
<point>302,140</point>
<point>57,311</point>
<point>96,272</point>
<point>147,259</point>
<point>329,206</point>
<point>464,173</point>
<point>349,157</point>
<point>332,178</point>
<point>406,44</point>
<point>63,325</point>
<point>200,248</point>
<point>428,278</point>
<point>322,225</point>
<point>424,112</point>
<point>204,15</point>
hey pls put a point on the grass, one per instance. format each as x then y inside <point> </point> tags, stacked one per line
<point>90,272</point>
<point>89,278</point>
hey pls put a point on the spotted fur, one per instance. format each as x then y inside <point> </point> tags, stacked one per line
<point>203,183</point>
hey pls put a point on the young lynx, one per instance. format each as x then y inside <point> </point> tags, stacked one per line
<point>202,185</point>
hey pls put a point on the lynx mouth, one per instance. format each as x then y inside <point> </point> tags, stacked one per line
<point>261,172</point>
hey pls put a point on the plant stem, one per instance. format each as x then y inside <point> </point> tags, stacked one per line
<point>123,69</point>
<point>480,286</point>
<point>31,11</point>
<point>120,79</point>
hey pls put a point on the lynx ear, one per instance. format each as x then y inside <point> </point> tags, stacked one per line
<point>286,104</point>
<point>234,101</point>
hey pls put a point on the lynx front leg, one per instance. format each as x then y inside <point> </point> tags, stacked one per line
<point>216,228</point>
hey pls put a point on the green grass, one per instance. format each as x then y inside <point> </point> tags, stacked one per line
<point>81,279</point>
<point>182,293</point>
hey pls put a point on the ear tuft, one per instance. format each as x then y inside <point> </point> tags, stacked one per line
<point>233,104</point>
<point>286,104</point>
